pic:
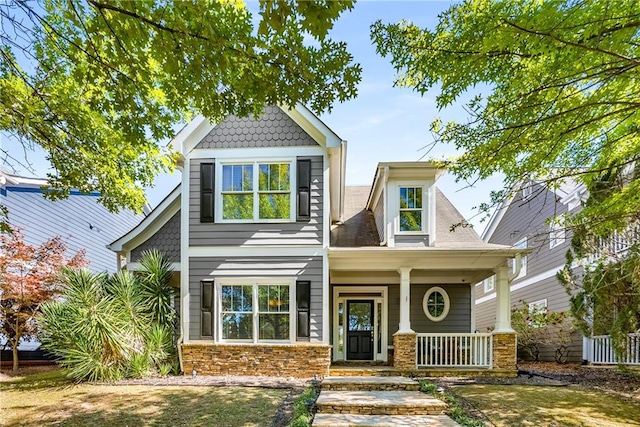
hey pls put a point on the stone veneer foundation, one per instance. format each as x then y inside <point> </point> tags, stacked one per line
<point>505,351</point>
<point>404,351</point>
<point>285,360</point>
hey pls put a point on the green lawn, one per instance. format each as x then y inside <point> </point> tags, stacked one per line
<point>517,405</point>
<point>48,398</point>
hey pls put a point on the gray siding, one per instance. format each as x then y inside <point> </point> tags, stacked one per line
<point>80,220</point>
<point>527,218</point>
<point>411,241</point>
<point>457,321</point>
<point>166,240</point>
<point>302,268</point>
<point>273,129</point>
<point>256,234</point>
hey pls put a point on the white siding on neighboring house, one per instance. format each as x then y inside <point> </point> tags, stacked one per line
<point>80,220</point>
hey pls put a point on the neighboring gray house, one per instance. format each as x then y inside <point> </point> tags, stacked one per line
<point>526,221</point>
<point>283,270</point>
<point>80,220</point>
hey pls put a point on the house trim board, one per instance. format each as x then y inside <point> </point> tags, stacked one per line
<point>184,254</point>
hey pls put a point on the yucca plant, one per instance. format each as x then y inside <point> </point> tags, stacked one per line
<point>155,280</point>
<point>107,328</point>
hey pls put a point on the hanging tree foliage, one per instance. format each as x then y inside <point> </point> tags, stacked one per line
<point>559,85</point>
<point>98,83</point>
<point>559,91</point>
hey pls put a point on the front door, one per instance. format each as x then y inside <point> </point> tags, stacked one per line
<point>360,330</point>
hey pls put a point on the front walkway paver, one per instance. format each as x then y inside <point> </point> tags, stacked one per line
<point>348,420</point>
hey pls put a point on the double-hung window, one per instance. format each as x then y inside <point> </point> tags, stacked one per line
<point>257,191</point>
<point>255,311</point>
<point>411,209</point>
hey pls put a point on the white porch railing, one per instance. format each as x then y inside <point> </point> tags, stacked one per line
<point>600,351</point>
<point>454,350</point>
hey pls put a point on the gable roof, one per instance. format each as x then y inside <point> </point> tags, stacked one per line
<point>569,191</point>
<point>190,135</point>
<point>153,222</point>
<point>358,229</point>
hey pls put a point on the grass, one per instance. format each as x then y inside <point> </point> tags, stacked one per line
<point>455,410</point>
<point>510,405</point>
<point>49,398</point>
<point>303,408</point>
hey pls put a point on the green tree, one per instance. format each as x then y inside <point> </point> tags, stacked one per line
<point>562,91</point>
<point>561,100</point>
<point>98,83</point>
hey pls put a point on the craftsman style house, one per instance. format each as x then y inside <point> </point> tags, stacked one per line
<point>283,270</point>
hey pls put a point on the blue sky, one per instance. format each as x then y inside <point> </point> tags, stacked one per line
<point>383,123</point>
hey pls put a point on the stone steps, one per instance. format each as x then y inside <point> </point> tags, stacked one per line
<point>369,383</point>
<point>377,401</point>
<point>397,402</point>
<point>348,420</point>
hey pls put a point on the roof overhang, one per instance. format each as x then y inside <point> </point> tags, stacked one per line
<point>429,258</point>
<point>401,171</point>
<point>151,224</point>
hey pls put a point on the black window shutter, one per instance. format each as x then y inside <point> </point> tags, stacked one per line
<point>303,306</point>
<point>206,308</point>
<point>304,190</point>
<point>206,191</point>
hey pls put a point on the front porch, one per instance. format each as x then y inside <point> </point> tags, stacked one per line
<point>418,319</point>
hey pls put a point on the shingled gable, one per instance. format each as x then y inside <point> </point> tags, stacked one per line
<point>152,229</point>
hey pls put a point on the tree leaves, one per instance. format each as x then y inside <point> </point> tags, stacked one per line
<point>110,79</point>
<point>563,89</point>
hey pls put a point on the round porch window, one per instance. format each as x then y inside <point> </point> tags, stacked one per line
<point>436,304</point>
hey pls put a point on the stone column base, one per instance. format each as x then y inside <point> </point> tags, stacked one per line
<point>404,350</point>
<point>505,351</point>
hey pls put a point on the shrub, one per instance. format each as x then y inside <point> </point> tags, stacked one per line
<point>537,326</point>
<point>105,328</point>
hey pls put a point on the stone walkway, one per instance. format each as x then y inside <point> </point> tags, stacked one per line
<point>377,401</point>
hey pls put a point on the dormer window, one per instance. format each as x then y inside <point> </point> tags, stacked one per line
<point>258,191</point>
<point>411,209</point>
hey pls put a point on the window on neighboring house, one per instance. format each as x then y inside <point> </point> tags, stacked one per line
<point>557,233</point>
<point>489,283</point>
<point>411,211</point>
<point>256,191</point>
<point>523,270</point>
<point>527,190</point>
<point>436,304</point>
<point>255,312</point>
<point>537,308</point>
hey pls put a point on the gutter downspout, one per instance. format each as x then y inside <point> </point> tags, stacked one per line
<point>516,273</point>
<point>385,178</point>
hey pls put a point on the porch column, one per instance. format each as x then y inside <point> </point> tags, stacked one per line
<point>503,300</point>
<point>504,352</point>
<point>405,301</point>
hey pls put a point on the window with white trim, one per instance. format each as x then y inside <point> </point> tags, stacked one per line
<point>257,191</point>
<point>411,215</point>
<point>522,244</point>
<point>255,311</point>
<point>489,283</point>
<point>557,234</point>
<point>436,304</point>
<point>537,308</point>
<point>527,190</point>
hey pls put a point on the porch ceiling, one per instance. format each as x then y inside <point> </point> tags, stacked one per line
<point>417,276</point>
<point>453,264</point>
